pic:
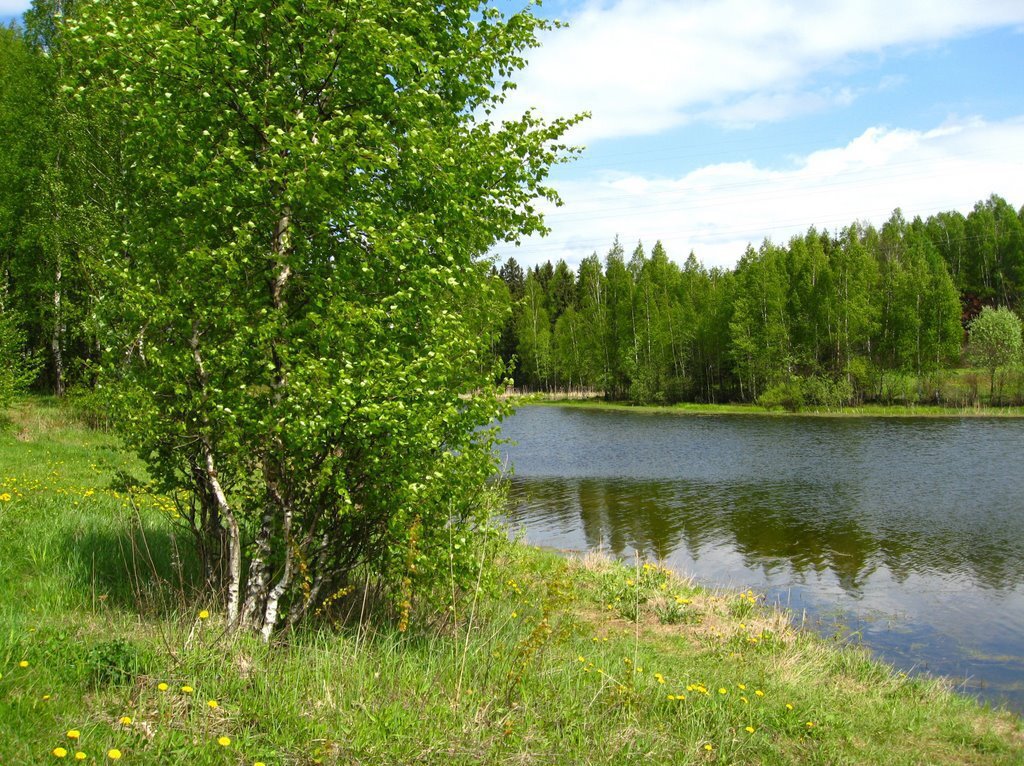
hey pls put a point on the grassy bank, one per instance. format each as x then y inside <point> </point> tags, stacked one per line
<point>557,660</point>
<point>865,410</point>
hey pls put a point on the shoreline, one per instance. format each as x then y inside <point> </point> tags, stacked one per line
<point>754,410</point>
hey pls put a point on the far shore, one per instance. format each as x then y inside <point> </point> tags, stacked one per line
<point>861,411</point>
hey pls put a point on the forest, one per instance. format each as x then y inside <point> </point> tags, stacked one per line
<point>829,318</point>
<point>859,315</point>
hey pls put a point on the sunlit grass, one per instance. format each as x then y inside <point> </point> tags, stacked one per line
<point>555,661</point>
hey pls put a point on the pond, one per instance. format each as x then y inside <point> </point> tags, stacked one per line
<point>906,533</point>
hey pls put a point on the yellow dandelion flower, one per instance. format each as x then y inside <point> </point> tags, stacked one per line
<point>759,693</point>
<point>259,763</point>
<point>126,720</point>
<point>186,689</point>
<point>162,687</point>
<point>204,614</point>
<point>223,741</point>
<point>709,748</point>
<point>742,687</point>
<point>23,664</point>
<point>212,704</point>
<point>788,706</point>
<point>744,700</point>
<point>750,729</point>
<point>5,497</point>
<point>60,752</point>
<point>80,756</point>
<point>810,724</point>
<point>74,734</point>
<point>722,690</point>
<point>660,677</point>
<point>114,754</point>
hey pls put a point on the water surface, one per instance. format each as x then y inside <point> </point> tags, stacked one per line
<point>907,533</point>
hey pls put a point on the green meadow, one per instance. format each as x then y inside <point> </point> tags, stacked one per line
<point>109,651</point>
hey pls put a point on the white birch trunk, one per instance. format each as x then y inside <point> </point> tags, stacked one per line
<point>234,584</point>
<point>274,597</point>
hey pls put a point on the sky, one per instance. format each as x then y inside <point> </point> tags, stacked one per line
<point>719,123</point>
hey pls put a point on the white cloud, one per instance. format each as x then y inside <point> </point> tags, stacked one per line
<point>774,107</point>
<point>718,209</point>
<point>13,7</point>
<point>645,66</point>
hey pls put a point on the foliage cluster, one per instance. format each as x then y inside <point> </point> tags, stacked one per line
<point>796,392</point>
<point>261,226</point>
<point>17,368</point>
<point>51,222</point>
<point>828,319</point>
<point>996,341</point>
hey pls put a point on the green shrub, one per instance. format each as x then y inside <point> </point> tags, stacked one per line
<point>113,663</point>
<point>18,368</point>
<point>787,394</point>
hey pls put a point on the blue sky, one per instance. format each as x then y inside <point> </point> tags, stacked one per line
<point>718,123</point>
<point>725,122</point>
<point>11,10</point>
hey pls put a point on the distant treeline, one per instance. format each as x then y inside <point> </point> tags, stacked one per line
<point>830,318</point>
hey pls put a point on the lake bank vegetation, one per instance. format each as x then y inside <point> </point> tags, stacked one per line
<point>113,648</point>
<point>829,319</point>
<point>597,401</point>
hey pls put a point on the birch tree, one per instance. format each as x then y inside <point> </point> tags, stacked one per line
<point>306,190</point>
<point>995,342</point>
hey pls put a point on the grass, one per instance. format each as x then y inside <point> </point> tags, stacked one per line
<point>556,660</point>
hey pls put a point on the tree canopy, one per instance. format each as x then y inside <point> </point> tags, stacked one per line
<point>295,199</point>
<point>995,340</point>
<point>862,314</point>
